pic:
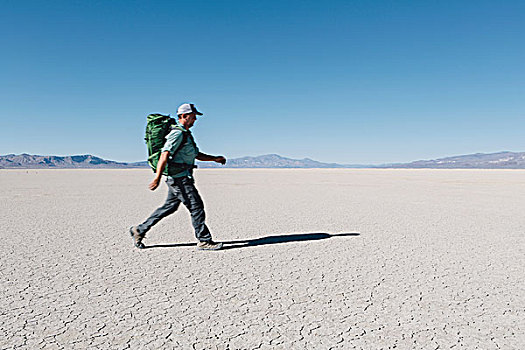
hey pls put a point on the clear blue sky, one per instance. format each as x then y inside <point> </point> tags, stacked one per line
<point>337,81</point>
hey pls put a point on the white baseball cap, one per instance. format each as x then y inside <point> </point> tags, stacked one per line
<point>187,108</point>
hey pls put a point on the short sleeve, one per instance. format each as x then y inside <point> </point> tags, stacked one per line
<point>173,140</point>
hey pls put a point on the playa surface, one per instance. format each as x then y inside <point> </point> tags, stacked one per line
<point>315,259</point>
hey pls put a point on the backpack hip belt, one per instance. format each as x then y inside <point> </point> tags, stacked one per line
<point>184,165</point>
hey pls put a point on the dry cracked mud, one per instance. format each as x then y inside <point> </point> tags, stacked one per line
<point>314,259</point>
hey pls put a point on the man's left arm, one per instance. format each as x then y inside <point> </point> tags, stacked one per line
<point>208,158</point>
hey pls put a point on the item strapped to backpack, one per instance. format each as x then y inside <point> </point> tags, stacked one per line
<point>157,128</point>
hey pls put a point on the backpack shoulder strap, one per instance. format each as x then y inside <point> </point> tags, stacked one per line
<point>185,135</point>
<point>190,136</point>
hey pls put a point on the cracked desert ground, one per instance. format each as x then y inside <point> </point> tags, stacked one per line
<point>315,259</point>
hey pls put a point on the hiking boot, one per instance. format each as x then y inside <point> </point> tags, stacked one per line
<point>209,245</point>
<point>137,237</point>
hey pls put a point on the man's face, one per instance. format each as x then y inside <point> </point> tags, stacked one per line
<point>188,120</point>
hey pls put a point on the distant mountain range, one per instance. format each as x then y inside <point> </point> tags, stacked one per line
<point>28,161</point>
<point>272,161</point>
<point>501,160</point>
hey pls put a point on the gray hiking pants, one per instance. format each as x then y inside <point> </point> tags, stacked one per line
<point>181,189</point>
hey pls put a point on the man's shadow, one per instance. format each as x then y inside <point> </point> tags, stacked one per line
<point>299,237</point>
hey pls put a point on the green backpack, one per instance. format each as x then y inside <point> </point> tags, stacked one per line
<point>157,128</point>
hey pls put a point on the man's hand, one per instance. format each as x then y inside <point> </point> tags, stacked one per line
<point>163,160</point>
<point>220,159</point>
<point>154,184</point>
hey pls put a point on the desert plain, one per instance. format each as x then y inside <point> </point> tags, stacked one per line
<point>313,259</point>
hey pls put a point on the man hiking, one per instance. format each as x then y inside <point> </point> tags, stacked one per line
<point>178,156</point>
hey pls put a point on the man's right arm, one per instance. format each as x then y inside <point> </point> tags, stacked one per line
<point>163,160</point>
<point>173,140</point>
